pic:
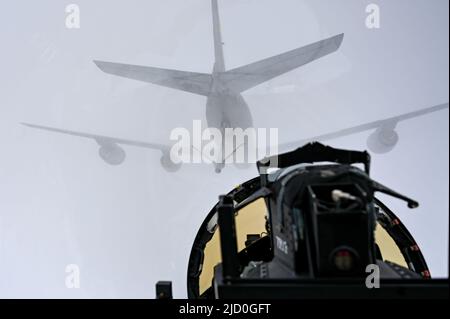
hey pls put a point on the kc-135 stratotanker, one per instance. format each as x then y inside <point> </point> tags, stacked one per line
<point>225,106</point>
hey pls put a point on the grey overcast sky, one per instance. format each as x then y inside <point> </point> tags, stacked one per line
<point>129,226</point>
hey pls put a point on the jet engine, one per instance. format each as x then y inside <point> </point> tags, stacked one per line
<point>383,140</point>
<point>168,164</point>
<point>112,154</point>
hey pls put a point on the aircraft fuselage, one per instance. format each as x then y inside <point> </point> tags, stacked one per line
<point>226,109</point>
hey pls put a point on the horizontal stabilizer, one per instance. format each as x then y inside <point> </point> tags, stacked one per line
<point>197,83</point>
<point>248,76</point>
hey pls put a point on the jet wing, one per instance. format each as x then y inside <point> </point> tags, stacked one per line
<point>197,83</point>
<point>100,139</point>
<point>248,76</point>
<point>390,122</point>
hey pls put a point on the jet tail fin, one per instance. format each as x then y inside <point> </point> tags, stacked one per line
<point>219,65</point>
<point>197,83</point>
<point>248,76</point>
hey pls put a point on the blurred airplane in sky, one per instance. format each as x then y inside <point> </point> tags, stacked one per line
<point>225,106</point>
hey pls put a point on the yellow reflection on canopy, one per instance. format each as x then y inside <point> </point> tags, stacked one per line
<point>251,220</point>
